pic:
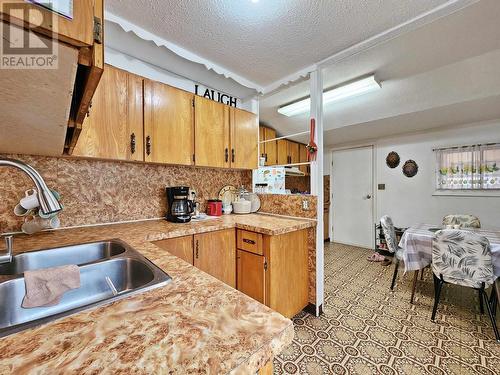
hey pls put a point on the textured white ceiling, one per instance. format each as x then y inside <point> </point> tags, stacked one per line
<point>446,72</point>
<point>270,39</point>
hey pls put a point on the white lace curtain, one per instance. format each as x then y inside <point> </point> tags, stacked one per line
<point>469,167</point>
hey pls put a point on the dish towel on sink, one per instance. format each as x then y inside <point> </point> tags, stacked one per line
<point>45,287</point>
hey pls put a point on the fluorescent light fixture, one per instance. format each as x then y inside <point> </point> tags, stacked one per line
<point>349,90</point>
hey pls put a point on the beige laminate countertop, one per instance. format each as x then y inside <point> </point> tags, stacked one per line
<point>195,324</point>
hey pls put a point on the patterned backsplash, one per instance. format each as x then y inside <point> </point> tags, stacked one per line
<point>96,191</point>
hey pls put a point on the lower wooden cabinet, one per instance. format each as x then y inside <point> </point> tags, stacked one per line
<point>278,278</point>
<point>215,253</point>
<point>271,269</point>
<point>287,279</point>
<point>212,252</point>
<point>181,247</point>
<point>251,271</point>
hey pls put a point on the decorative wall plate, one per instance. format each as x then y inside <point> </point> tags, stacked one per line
<point>228,194</point>
<point>392,160</point>
<point>410,168</point>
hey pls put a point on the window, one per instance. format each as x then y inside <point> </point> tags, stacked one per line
<point>468,168</point>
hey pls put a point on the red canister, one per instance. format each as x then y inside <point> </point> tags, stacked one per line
<point>214,207</point>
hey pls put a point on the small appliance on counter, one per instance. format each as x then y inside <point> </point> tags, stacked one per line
<point>180,207</point>
<point>214,207</point>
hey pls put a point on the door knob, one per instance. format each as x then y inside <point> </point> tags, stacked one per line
<point>368,196</point>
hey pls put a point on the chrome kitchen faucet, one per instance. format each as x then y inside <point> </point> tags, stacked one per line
<point>48,202</point>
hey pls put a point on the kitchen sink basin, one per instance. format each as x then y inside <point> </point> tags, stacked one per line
<point>61,256</point>
<point>102,281</point>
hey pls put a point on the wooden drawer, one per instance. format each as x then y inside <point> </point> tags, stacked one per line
<point>249,241</point>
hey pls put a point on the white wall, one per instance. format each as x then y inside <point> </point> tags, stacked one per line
<point>410,200</point>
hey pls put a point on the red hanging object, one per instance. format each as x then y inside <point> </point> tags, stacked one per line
<point>312,147</point>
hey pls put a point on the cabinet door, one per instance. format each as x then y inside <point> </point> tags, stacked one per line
<point>282,148</point>
<point>181,247</point>
<point>262,137</point>
<point>168,124</point>
<point>105,131</point>
<point>77,30</point>
<point>215,253</point>
<point>303,159</point>
<point>251,273</point>
<point>211,133</point>
<point>244,138</point>
<point>288,273</point>
<point>293,151</point>
<point>135,150</point>
<point>271,147</point>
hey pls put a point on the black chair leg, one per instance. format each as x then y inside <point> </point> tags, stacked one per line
<point>490,313</point>
<point>438,285</point>
<point>481,304</point>
<point>396,266</point>
<point>494,300</point>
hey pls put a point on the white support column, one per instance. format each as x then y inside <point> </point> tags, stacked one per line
<point>316,87</point>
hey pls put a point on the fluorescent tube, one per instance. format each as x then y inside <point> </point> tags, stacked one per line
<point>350,90</point>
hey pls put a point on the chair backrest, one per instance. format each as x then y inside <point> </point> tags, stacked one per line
<point>389,233</point>
<point>462,257</point>
<point>465,221</point>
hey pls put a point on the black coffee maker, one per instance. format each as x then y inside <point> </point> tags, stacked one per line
<point>179,207</point>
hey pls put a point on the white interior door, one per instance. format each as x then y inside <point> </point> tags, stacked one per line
<point>352,196</point>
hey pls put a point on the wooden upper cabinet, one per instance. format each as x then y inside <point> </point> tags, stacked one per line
<point>293,151</point>
<point>215,253</point>
<point>288,152</point>
<point>282,156</point>
<point>168,124</point>
<point>77,31</point>
<point>244,139</point>
<point>303,159</point>
<point>268,150</point>
<point>212,133</point>
<point>58,99</point>
<point>115,114</point>
<point>135,151</point>
<point>262,137</point>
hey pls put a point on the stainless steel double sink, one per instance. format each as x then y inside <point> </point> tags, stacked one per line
<point>109,270</point>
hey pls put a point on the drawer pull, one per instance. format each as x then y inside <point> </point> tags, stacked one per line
<point>251,242</point>
<point>148,145</point>
<point>132,143</point>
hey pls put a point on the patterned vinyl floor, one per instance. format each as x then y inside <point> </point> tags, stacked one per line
<point>367,329</point>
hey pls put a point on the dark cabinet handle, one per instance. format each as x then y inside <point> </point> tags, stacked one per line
<point>197,249</point>
<point>132,143</point>
<point>251,242</point>
<point>226,153</point>
<point>265,157</point>
<point>232,155</point>
<point>88,110</point>
<point>148,145</point>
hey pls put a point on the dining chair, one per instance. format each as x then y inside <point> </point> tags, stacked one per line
<point>465,221</point>
<point>463,258</point>
<point>392,245</point>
